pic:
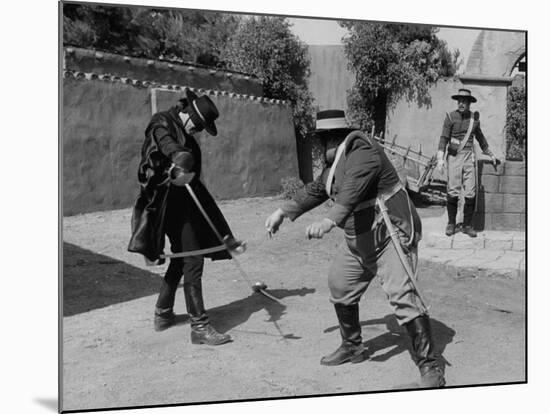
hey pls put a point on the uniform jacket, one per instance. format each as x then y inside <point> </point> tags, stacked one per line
<point>160,204</point>
<point>456,125</point>
<point>362,173</point>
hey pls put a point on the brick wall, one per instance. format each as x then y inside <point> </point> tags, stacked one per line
<point>502,198</point>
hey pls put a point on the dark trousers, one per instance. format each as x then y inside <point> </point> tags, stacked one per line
<point>190,268</point>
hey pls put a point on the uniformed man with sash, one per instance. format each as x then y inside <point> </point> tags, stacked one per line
<point>457,140</point>
<point>381,232</point>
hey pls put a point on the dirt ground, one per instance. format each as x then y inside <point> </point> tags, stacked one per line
<point>113,358</point>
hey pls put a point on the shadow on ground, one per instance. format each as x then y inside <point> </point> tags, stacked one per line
<point>231,315</point>
<point>92,281</point>
<point>396,340</point>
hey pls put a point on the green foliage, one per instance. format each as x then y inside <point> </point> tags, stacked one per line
<point>290,185</point>
<point>516,124</point>
<point>192,36</point>
<point>265,46</point>
<point>392,61</point>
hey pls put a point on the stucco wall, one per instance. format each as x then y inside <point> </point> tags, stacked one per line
<point>495,53</point>
<point>330,79</point>
<point>408,124</point>
<point>102,133</point>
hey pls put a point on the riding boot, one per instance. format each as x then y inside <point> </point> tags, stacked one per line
<point>164,315</point>
<point>351,349</point>
<point>452,207</point>
<point>469,207</point>
<point>431,375</point>
<point>201,330</point>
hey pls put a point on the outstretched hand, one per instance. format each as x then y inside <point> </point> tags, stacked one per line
<point>274,221</point>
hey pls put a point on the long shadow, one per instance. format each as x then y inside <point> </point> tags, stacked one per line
<point>396,340</point>
<point>231,315</point>
<point>92,281</point>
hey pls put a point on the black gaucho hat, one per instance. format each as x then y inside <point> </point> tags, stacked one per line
<point>202,112</point>
<point>464,93</point>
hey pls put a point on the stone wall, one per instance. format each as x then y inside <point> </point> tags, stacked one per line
<point>103,123</point>
<point>501,203</point>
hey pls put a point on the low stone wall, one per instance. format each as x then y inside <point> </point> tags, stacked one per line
<point>502,196</point>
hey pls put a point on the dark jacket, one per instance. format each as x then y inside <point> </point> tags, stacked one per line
<point>456,125</point>
<point>160,204</point>
<point>362,173</point>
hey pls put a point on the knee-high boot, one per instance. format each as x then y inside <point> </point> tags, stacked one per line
<point>164,314</point>
<point>431,375</point>
<point>452,207</point>
<point>351,348</point>
<point>469,207</point>
<point>201,330</point>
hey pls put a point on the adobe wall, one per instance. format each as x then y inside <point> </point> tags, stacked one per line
<point>164,72</point>
<point>103,123</point>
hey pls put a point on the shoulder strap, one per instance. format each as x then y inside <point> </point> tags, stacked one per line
<point>330,177</point>
<point>467,136</point>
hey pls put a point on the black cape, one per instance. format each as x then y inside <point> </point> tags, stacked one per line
<point>158,201</point>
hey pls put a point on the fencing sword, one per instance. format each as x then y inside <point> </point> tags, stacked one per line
<point>256,287</point>
<point>399,249</point>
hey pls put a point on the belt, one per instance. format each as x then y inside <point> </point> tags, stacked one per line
<point>384,196</point>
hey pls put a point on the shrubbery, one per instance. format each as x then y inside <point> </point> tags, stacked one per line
<point>290,185</point>
<point>516,124</point>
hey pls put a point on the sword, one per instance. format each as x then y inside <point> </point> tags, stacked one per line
<point>399,249</point>
<point>258,287</point>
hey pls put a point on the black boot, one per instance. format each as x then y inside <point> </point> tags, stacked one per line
<point>164,318</point>
<point>351,349</point>
<point>452,206</point>
<point>431,375</point>
<point>469,206</point>
<point>164,314</point>
<point>201,330</point>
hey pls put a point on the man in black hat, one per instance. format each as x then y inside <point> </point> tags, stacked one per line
<point>171,158</point>
<point>361,176</point>
<point>457,139</point>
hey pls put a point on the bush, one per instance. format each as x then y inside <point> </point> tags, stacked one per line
<point>516,124</point>
<point>290,185</point>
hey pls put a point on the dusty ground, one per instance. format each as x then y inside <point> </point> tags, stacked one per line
<point>113,358</point>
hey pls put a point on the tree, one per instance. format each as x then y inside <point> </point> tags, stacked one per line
<point>188,35</point>
<point>391,61</point>
<point>265,47</point>
<point>516,123</point>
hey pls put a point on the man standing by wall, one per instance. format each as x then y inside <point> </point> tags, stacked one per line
<point>171,160</point>
<point>457,140</point>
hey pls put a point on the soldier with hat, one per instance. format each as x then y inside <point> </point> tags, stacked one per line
<point>457,141</point>
<point>381,233</point>
<point>170,160</point>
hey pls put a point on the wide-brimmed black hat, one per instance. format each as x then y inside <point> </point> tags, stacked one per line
<point>202,112</point>
<point>331,119</point>
<point>464,93</point>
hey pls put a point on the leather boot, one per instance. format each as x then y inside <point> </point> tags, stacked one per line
<point>351,349</point>
<point>469,206</point>
<point>164,318</point>
<point>452,206</point>
<point>201,330</point>
<point>431,375</point>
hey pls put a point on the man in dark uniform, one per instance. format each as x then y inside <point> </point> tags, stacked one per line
<point>360,175</point>
<point>457,139</point>
<point>171,159</point>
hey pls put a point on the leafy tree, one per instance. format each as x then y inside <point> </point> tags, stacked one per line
<point>516,123</point>
<point>266,47</point>
<point>192,36</point>
<point>391,61</point>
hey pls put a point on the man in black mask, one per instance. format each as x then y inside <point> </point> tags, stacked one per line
<point>171,159</point>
